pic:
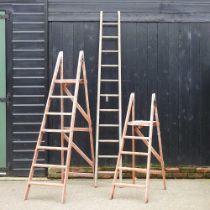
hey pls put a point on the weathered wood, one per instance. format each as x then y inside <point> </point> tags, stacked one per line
<point>148,143</point>
<point>65,164</point>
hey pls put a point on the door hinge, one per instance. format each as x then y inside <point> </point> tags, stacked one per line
<point>6,16</point>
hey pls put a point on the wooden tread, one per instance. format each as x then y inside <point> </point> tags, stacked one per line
<point>142,123</point>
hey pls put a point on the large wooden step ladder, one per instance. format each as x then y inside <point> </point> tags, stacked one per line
<point>115,94</point>
<point>66,134</point>
<point>137,135</point>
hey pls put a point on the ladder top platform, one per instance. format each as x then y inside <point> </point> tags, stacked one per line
<point>141,123</point>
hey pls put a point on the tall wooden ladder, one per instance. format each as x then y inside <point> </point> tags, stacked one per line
<point>101,125</point>
<point>137,135</point>
<point>66,134</point>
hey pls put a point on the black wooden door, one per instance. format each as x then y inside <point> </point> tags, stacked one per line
<point>171,59</point>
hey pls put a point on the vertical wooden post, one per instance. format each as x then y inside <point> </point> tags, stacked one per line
<point>88,113</point>
<point>98,96</point>
<point>149,148</point>
<point>62,119</point>
<point>133,144</point>
<point>160,147</point>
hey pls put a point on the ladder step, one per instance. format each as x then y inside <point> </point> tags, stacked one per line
<point>140,170</point>
<point>53,96</point>
<point>129,185</point>
<point>109,65</point>
<point>109,110</point>
<point>107,156</point>
<point>110,51</point>
<point>109,95</point>
<point>108,140</point>
<point>46,183</point>
<point>134,153</point>
<point>110,23</point>
<point>106,172</point>
<point>110,37</point>
<point>109,125</point>
<point>59,113</point>
<point>141,123</point>
<point>68,81</point>
<point>109,80</point>
<point>39,165</point>
<point>136,137</point>
<point>52,148</point>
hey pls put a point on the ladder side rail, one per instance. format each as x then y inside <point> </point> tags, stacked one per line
<point>149,147</point>
<point>88,113</point>
<point>119,84</point>
<point>119,159</point>
<point>62,119</point>
<point>71,133</point>
<point>44,119</point>
<point>160,146</point>
<point>98,96</point>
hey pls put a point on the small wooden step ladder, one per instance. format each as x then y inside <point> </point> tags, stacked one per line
<point>100,95</point>
<point>66,133</point>
<point>136,126</point>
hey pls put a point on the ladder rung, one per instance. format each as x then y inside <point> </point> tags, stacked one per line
<point>39,165</point>
<point>136,137</point>
<point>68,81</point>
<point>52,148</point>
<point>134,153</point>
<point>109,125</point>
<point>140,170</point>
<point>110,51</point>
<point>106,172</point>
<point>109,95</point>
<point>109,140</point>
<point>59,113</point>
<point>109,37</point>
<point>46,183</point>
<point>78,174</point>
<point>109,110</point>
<point>129,185</point>
<point>107,156</point>
<point>109,80</point>
<point>109,65</point>
<point>53,96</point>
<point>110,23</point>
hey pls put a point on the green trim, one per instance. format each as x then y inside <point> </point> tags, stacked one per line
<point>2,93</point>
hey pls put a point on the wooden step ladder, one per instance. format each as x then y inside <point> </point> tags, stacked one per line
<point>101,95</point>
<point>66,133</point>
<point>136,126</point>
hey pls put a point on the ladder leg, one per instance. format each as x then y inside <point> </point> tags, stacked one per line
<point>119,159</point>
<point>160,149</point>
<point>149,148</point>
<point>28,186</point>
<point>62,120</point>
<point>133,146</point>
<point>89,116</point>
<point>66,173</point>
<point>148,172</point>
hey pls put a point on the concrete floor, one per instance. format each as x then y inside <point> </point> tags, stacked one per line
<point>180,195</point>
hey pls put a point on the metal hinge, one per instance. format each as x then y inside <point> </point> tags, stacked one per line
<point>6,16</point>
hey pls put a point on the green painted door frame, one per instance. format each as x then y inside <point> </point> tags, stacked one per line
<point>2,92</point>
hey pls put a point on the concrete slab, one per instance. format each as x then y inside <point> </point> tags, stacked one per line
<point>180,195</point>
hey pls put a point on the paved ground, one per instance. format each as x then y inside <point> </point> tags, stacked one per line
<point>180,195</point>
